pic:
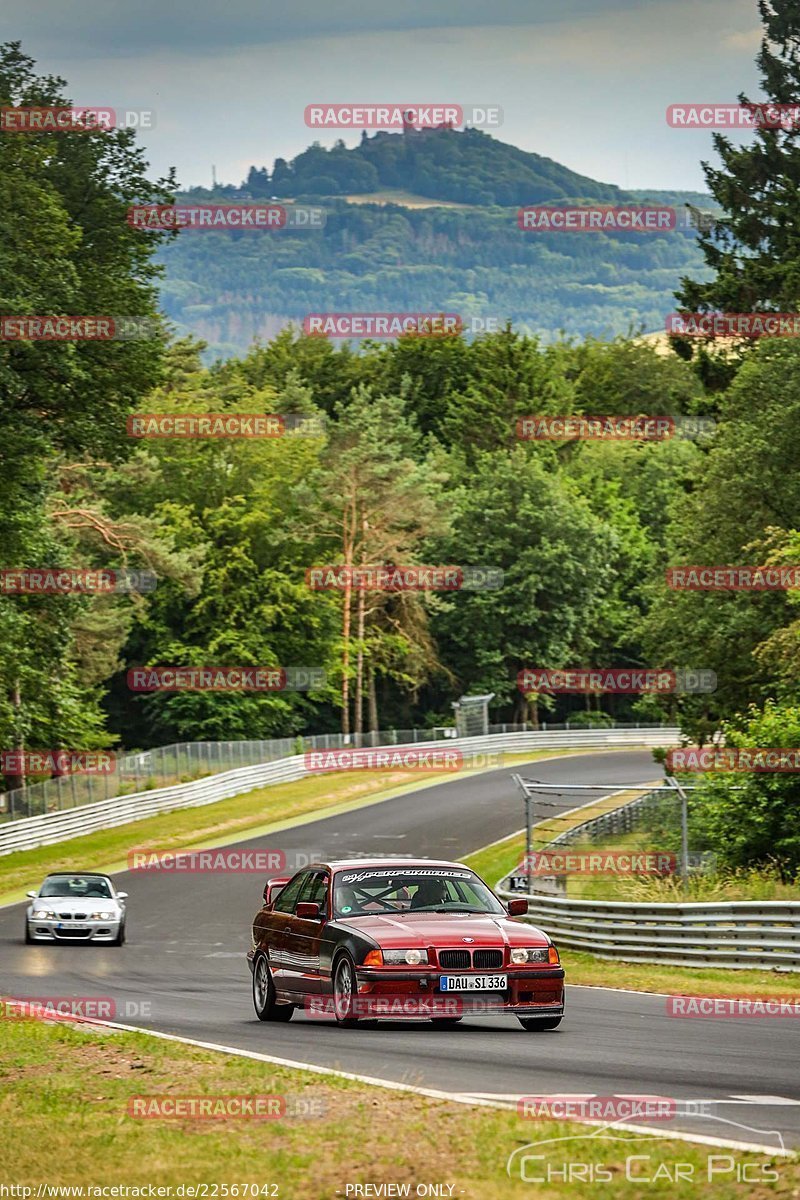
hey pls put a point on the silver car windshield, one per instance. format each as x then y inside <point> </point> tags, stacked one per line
<point>76,886</point>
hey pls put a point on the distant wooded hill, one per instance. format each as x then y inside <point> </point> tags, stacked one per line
<point>232,287</point>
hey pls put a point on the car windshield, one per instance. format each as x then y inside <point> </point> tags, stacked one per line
<point>372,891</point>
<point>76,886</point>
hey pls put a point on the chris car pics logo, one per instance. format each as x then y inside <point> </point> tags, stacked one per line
<point>614,1152</point>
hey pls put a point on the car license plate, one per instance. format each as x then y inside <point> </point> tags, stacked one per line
<point>473,983</point>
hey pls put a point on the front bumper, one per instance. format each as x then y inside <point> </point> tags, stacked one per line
<point>530,991</point>
<point>73,931</point>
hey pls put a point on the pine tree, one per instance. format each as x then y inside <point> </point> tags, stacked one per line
<point>754,250</point>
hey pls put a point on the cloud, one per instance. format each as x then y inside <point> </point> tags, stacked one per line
<point>79,28</point>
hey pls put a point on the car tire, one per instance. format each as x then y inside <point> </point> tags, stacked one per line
<point>267,1009</point>
<point>445,1022</point>
<point>119,940</point>
<point>539,1024</point>
<point>344,991</point>
<point>28,938</point>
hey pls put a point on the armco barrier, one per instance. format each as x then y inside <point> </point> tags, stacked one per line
<point>743,934</point>
<point>737,934</point>
<point>49,828</point>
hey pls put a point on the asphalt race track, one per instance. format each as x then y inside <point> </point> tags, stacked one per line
<point>185,955</point>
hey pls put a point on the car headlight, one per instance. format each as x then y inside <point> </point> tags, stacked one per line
<point>521,954</point>
<point>43,914</point>
<point>101,916</point>
<point>412,957</point>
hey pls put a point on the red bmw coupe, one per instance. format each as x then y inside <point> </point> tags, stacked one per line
<point>385,938</point>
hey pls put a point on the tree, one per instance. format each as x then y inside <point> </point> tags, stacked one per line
<point>753,818</point>
<point>380,497</point>
<point>67,250</point>
<point>754,250</point>
<point>511,514</point>
<point>743,508</point>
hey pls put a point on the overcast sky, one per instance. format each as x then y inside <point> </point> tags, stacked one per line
<point>585,82</point>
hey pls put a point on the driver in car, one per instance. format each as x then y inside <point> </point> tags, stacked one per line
<point>430,894</point>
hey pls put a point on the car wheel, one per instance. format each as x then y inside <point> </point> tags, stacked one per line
<point>264,994</point>
<point>28,938</point>
<point>445,1022</point>
<point>344,991</point>
<point>537,1024</point>
<point>119,940</point>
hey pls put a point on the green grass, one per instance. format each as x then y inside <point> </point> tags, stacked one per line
<point>586,969</point>
<point>71,1127</point>
<point>763,883</point>
<point>495,861</point>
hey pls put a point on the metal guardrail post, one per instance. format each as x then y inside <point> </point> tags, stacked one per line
<point>673,782</point>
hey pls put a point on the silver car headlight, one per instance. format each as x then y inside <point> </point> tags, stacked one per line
<point>43,914</point>
<point>102,916</point>
<point>522,954</point>
<point>413,957</point>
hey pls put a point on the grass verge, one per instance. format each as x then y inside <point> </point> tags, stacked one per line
<point>361,1135</point>
<point>495,861</point>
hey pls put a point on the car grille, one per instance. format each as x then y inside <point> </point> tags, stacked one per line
<point>460,960</point>
<point>73,933</point>
<point>69,916</point>
<point>454,959</point>
<point>487,958</point>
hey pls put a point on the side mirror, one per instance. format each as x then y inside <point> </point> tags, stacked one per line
<point>122,895</point>
<point>31,895</point>
<point>308,910</point>
<point>517,908</point>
